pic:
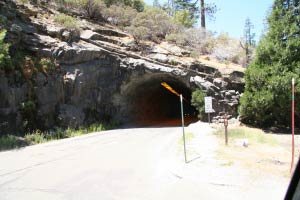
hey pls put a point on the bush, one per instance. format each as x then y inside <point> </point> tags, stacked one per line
<point>228,49</point>
<point>194,39</point>
<point>152,24</point>
<point>3,21</point>
<point>5,61</point>
<point>66,21</point>
<point>182,17</point>
<point>9,142</point>
<point>70,24</point>
<point>94,9</point>
<point>28,112</point>
<point>138,5</point>
<point>121,16</point>
<point>198,102</point>
<point>46,65</point>
<point>70,4</point>
<point>36,137</point>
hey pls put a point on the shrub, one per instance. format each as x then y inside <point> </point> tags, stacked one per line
<point>120,15</point>
<point>70,4</point>
<point>46,65</point>
<point>152,24</point>
<point>9,142</point>
<point>182,17</point>
<point>94,8</point>
<point>28,112</point>
<point>5,61</point>
<point>136,4</point>
<point>36,137</point>
<point>70,24</point>
<point>66,21</point>
<point>198,102</point>
<point>194,39</point>
<point>3,21</point>
<point>228,49</point>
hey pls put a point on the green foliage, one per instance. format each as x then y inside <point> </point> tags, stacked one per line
<point>121,16</point>
<point>45,65</point>
<point>182,17</point>
<point>94,8</point>
<point>3,21</point>
<point>267,98</point>
<point>28,112</point>
<point>66,21</point>
<point>253,135</point>
<point>187,10</point>
<point>152,24</point>
<point>5,60</point>
<point>36,137</point>
<point>198,102</point>
<point>10,142</point>
<point>136,4</point>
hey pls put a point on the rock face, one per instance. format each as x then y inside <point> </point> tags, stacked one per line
<point>98,78</point>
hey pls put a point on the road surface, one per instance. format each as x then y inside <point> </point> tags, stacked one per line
<point>128,164</point>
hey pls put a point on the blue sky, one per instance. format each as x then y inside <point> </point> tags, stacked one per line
<point>231,15</point>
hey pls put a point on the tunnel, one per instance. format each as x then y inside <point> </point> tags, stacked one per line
<point>149,103</point>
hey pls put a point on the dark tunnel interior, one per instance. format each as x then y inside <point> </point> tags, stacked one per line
<point>152,104</point>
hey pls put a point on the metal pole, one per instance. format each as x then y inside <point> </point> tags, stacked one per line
<point>208,118</point>
<point>183,134</point>
<point>226,130</point>
<point>293,123</point>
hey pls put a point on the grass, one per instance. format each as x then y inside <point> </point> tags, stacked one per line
<point>11,142</point>
<point>188,137</point>
<point>260,157</point>
<point>253,135</point>
<point>66,21</point>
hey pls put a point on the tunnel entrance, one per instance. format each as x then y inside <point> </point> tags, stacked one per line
<point>151,104</point>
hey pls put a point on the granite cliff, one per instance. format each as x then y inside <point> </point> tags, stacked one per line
<point>99,74</point>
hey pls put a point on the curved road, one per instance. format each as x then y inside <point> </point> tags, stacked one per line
<point>127,164</point>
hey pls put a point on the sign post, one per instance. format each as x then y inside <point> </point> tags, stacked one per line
<point>226,131</point>
<point>293,123</point>
<point>208,106</point>
<point>183,134</point>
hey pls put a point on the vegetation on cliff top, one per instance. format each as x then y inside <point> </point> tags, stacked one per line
<point>176,24</point>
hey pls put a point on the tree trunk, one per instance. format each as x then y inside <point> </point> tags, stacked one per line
<point>202,13</point>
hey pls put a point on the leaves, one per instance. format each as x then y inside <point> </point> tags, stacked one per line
<point>267,97</point>
<point>5,60</point>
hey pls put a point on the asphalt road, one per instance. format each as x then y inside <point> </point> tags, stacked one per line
<point>127,164</point>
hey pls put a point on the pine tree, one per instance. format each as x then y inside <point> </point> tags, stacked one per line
<point>249,42</point>
<point>186,6</point>
<point>206,10</point>
<point>267,98</point>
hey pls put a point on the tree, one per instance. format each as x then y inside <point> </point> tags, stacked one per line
<point>187,9</point>
<point>198,102</point>
<point>206,10</point>
<point>156,4</point>
<point>152,24</point>
<point>136,4</point>
<point>249,42</point>
<point>267,98</point>
<point>183,17</point>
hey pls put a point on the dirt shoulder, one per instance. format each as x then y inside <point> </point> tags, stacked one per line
<point>254,165</point>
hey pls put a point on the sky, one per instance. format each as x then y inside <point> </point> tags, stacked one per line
<point>231,16</point>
